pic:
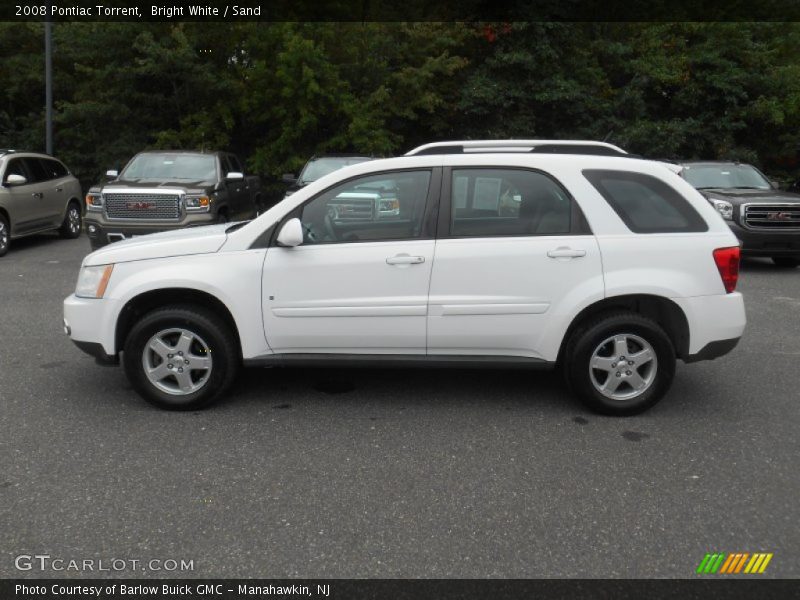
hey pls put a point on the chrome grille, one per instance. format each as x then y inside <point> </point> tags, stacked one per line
<point>772,216</point>
<point>352,209</point>
<point>143,206</point>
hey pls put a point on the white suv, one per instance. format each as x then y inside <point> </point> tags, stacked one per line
<point>610,266</point>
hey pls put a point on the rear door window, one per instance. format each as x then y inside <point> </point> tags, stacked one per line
<point>645,203</point>
<point>54,168</point>
<point>491,202</point>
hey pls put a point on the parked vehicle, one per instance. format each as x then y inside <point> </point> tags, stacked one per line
<point>165,190</point>
<point>38,194</point>
<point>492,259</point>
<point>765,219</point>
<point>319,166</point>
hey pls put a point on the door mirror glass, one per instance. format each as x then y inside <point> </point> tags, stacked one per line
<point>288,178</point>
<point>291,234</point>
<point>112,173</point>
<point>234,176</point>
<point>776,185</point>
<point>15,179</point>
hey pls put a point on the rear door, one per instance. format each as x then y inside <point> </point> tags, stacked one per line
<point>57,194</point>
<point>514,255</point>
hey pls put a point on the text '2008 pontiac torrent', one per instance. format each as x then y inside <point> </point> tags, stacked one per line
<point>609,266</point>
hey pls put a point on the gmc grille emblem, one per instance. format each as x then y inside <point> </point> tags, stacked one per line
<point>139,205</point>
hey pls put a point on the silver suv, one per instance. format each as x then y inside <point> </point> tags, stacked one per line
<point>38,193</point>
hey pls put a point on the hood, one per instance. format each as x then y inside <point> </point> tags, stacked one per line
<point>180,242</point>
<point>199,185</point>
<point>736,196</point>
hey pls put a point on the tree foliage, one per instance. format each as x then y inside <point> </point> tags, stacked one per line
<point>279,92</point>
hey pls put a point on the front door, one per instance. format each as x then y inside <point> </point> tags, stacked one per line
<point>513,252</point>
<point>359,282</point>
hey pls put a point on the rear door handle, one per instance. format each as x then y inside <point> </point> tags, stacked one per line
<point>58,189</point>
<point>37,195</point>
<point>405,259</point>
<point>564,252</point>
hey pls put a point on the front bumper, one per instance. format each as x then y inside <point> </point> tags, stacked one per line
<point>102,231</point>
<point>759,242</point>
<point>90,324</point>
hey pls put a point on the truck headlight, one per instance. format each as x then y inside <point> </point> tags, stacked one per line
<point>724,208</point>
<point>94,201</point>
<point>197,203</point>
<point>93,281</point>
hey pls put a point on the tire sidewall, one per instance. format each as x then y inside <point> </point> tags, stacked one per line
<point>203,325</point>
<point>4,249</point>
<point>65,228</point>
<point>586,343</point>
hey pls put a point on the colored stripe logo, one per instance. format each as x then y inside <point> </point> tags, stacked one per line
<point>733,563</point>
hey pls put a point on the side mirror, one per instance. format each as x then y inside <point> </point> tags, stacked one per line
<point>112,173</point>
<point>15,179</point>
<point>291,234</point>
<point>234,176</point>
<point>288,178</point>
<point>776,185</point>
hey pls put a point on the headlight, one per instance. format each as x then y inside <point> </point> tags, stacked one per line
<point>198,203</point>
<point>94,201</point>
<point>92,281</point>
<point>724,208</point>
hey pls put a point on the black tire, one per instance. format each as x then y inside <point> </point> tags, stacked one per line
<point>5,235</point>
<point>586,342</point>
<point>72,225</point>
<point>222,350</point>
<point>786,262</point>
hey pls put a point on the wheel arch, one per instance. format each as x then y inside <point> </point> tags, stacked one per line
<point>147,301</point>
<point>6,214</point>
<point>669,316</point>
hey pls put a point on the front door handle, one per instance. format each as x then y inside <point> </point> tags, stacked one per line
<point>405,259</point>
<point>39,195</point>
<point>564,252</point>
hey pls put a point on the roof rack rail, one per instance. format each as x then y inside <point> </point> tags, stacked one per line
<point>535,146</point>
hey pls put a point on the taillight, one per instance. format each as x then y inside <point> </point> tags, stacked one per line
<point>727,260</point>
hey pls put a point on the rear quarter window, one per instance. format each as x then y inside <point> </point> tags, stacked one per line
<point>645,203</point>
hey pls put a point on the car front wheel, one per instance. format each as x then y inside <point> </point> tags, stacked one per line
<point>181,357</point>
<point>621,364</point>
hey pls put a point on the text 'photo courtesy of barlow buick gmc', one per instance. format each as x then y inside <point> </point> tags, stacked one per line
<point>765,219</point>
<point>608,266</point>
<point>163,190</point>
<point>38,193</point>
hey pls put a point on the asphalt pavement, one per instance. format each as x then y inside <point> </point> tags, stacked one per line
<point>392,473</point>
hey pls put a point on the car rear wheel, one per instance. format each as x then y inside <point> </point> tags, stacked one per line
<point>181,357</point>
<point>73,222</point>
<point>621,364</point>
<point>5,236</point>
<point>787,262</point>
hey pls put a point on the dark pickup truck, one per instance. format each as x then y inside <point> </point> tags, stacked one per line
<point>765,219</point>
<point>163,190</point>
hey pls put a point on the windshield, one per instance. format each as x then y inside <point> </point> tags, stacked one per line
<point>319,167</point>
<point>725,176</point>
<point>172,167</point>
